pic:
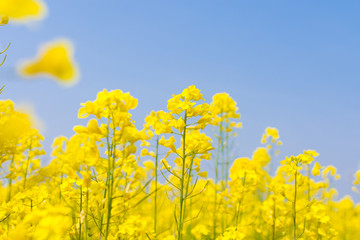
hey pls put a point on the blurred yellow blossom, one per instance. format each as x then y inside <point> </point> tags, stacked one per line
<point>23,10</point>
<point>54,60</point>
<point>4,20</point>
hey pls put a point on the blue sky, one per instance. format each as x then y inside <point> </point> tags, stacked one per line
<point>293,65</point>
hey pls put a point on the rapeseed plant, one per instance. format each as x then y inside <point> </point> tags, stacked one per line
<point>111,180</point>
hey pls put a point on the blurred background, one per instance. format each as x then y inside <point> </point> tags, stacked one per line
<point>293,65</point>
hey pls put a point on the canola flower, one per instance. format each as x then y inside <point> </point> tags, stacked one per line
<point>225,118</point>
<point>54,60</point>
<point>111,180</point>
<point>23,10</point>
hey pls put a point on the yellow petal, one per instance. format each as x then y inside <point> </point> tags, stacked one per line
<point>203,174</point>
<point>316,170</point>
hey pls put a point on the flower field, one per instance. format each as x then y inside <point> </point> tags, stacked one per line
<point>111,180</point>
<point>174,178</point>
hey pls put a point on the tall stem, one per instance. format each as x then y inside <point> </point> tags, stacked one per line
<point>10,180</point>
<point>227,161</point>
<point>182,198</point>
<point>156,183</point>
<point>294,205</point>
<point>274,219</point>
<point>110,175</point>
<point>239,212</point>
<point>216,179</point>
<point>86,213</point>
<point>80,212</point>
<point>27,165</point>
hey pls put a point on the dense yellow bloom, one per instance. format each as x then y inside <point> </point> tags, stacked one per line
<point>186,101</point>
<point>295,163</point>
<point>54,60</point>
<point>261,156</point>
<point>51,223</point>
<point>16,128</point>
<point>233,233</point>
<point>224,108</point>
<point>108,103</point>
<point>160,121</point>
<point>112,181</point>
<point>272,133</point>
<point>241,167</point>
<point>23,10</point>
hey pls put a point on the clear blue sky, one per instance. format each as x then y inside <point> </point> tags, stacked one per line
<point>293,65</point>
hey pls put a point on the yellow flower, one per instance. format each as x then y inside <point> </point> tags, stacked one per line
<point>203,174</point>
<point>55,60</point>
<point>261,156</point>
<point>312,153</point>
<point>357,178</point>
<point>273,132</point>
<point>145,152</point>
<point>241,167</point>
<point>224,105</point>
<point>23,10</point>
<point>165,164</point>
<point>149,165</point>
<point>4,20</point>
<point>329,170</point>
<point>86,178</point>
<point>316,170</point>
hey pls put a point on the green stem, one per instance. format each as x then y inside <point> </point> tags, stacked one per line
<point>156,184</point>
<point>227,162</point>
<point>80,212</point>
<point>240,213</point>
<point>86,213</point>
<point>294,206</point>
<point>274,219</point>
<point>187,189</point>
<point>27,165</point>
<point>110,176</point>
<point>10,180</point>
<point>182,199</point>
<point>216,178</point>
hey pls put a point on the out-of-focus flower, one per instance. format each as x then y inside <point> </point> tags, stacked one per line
<point>54,60</point>
<point>23,10</point>
<point>4,20</point>
<point>316,169</point>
